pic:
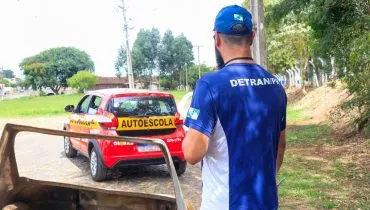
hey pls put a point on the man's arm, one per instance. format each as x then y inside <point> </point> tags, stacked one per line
<point>281,150</point>
<point>201,120</point>
<point>195,146</point>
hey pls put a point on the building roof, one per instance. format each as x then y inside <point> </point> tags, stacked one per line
<point>111,80</point>
<point>122,80</point>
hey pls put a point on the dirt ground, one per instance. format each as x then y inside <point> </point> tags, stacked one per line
<point>342,154</point>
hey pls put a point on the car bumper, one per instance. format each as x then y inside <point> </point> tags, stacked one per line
<point>143,162</point>
<point>125,153</point>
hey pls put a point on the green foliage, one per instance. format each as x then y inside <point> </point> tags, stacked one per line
<point>308,134</point>
<point>175,54</point>
<point>5,82</point>
<point>358,80</point>
<point>295,114</point>
<point>335,29</point>
<point>150,54</point>
<point>121,62</point>
<point>7,74</point>
<point>167,54</point>
<point>145,52</point>
<point>51,68</point>
<point>37,106</point>
<point>288,39</point>
<point>193,74</point>
<point>288,47</point>
<point>82,80</point>
<point>178,94</point>
<point>168,83</point>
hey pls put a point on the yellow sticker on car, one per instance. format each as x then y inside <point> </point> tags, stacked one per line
<point>145,123</point>
<point>85,122</point>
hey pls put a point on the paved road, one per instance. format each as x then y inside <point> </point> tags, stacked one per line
<point>42,157</point>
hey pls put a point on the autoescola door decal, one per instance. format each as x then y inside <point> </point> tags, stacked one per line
<point>145,123</point>
<point>85,122</point>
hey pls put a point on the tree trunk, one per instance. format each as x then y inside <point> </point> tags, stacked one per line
<point>303,74</point>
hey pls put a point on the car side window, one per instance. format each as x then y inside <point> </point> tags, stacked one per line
<point>94,105</point>
<point>83,104</point>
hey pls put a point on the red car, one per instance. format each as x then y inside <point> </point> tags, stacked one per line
<point>125,112</point>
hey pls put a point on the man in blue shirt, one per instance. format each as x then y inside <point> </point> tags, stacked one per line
<point>237,121</point>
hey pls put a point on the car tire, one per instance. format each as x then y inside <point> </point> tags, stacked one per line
<point>180,167</point>
<point>68,149</point>
<point>97,169</point>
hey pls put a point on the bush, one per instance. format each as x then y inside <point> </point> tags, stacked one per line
<point>358,81</point>
<point>168,83</point>
<point>82,80</point>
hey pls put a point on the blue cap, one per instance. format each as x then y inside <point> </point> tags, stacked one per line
<point>231,16</point>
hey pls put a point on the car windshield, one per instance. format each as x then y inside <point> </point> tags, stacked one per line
<point>142,106</point>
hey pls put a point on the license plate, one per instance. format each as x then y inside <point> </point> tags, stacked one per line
<point>145,123</point>
<point>148,148</point>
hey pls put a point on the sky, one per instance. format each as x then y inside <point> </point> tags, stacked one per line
<point>28,27</point>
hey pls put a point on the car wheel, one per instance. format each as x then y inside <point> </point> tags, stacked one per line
<point>97,169</point>
<point>180,167</point>
<point>68,149</point>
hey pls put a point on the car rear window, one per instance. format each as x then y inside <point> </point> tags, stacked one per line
<point>142,106</point>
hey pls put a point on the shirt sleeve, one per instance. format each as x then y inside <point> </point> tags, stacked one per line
<point>283,119</point>
<point>201,115</point>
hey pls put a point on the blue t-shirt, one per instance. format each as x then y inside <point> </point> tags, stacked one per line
<point>242,108</point>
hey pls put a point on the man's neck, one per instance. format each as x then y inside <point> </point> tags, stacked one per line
<point>238,56</point>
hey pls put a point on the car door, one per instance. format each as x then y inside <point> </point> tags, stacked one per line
<point>90,120</point>
<point>77,120</point>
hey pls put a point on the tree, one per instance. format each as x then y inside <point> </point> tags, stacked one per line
<point>8,74</point>
<point>5,82</point>
<point>184,56</point>
<point>193,74</point>
<point>121,62</point>
<point>145,52</point>
<point>340,30</point>
<point>167,54</point>
<point>150,54</point>
<point>51,68</point>
<point>168,82</point>
<point>174,55</point>
<point>82,80</point>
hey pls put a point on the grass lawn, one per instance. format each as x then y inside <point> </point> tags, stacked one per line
<point>46,105</point>
<point>37,106</point>
<point>320,172</point>
<point>178,94</point>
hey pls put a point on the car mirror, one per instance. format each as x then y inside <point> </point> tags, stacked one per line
<point>69,108</point>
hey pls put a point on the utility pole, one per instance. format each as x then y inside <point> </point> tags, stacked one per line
<point>198,46</point>
<point>259,43</point>
<point>131,83</point>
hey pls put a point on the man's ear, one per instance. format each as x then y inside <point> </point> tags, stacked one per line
<point>251,37</point>
<point>217,40</point>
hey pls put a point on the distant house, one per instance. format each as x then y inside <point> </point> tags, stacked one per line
<point>111,82</point>
<point>115,82</point>
<point>153,85</point>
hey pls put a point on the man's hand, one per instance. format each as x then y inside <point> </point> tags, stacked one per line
<point>281,150</point>
<point>195,146</point>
